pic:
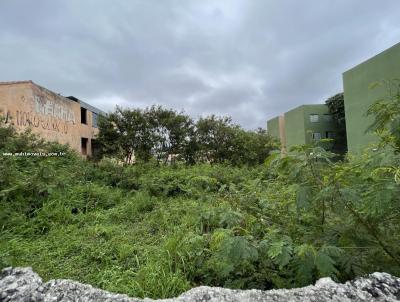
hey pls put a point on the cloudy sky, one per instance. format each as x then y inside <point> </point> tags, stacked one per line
<point>245,58</point>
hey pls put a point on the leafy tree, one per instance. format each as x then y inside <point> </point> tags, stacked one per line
<point>252,147</point>
<point>126,134</point>
<point>336,109</point>
<point>109,137</point>
<point>5,131</point>
<point>172,132</point>
<point>386,113</point>
<point>169,136</point>
<point>215,136</point>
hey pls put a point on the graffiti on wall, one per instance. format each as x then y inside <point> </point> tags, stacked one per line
<point>24,118</point>
<point>48,115</point>
<point>53,109</point>
<point>5,116</point>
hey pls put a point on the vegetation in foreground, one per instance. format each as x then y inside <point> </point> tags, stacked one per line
<point>157,230</point>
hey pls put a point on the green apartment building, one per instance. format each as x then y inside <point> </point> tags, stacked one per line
<point>358,96</point>
<point>308,123</point>
<point>273,127</point>
<point>276,128</point>
<point>302,125</point>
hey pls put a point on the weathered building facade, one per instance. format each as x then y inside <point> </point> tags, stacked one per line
<point>53,117</point>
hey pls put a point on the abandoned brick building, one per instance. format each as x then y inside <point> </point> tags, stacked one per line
<point>53,117</point>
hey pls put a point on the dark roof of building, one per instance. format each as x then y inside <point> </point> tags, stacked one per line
<point>86,105</point>
<point>71,97</point>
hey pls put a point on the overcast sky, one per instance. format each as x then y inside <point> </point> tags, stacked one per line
<point>248,59</point>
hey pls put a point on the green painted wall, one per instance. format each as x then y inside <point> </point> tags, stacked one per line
<point>273,127</point>
<point>294,127</point>
<point>322,126</point>
<point>299,128</point>
<point>358,97</point>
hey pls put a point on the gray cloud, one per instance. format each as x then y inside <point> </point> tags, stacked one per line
<point>248,59</point>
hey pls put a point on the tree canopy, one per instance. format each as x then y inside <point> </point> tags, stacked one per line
<point>168,136</point>
<point>336,109</point>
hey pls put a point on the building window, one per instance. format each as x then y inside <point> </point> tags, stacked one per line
<point>94,120</point>
<point>316,136</point>
<point>314,118</point>
<point>327,117</point>
<point>83,115</point>
<point>329,134</point>
<point>84,142</point>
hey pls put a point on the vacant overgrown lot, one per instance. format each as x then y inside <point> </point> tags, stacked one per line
<point>157,230</point>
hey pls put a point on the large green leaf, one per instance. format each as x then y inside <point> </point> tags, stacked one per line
<point>325,264</point>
